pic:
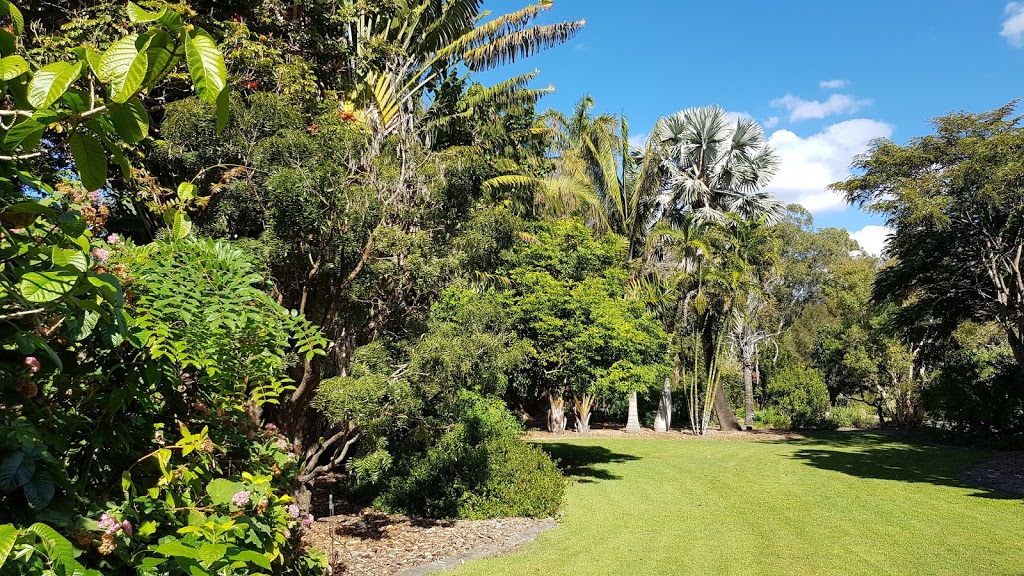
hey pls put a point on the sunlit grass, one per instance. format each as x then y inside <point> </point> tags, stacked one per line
<point>835,504</point>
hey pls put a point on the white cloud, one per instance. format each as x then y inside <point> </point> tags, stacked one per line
<point>800,109</point>
<point>872,238</point>
<point>1013,26</point>
<point>638,140</point>
<point>771,122</point>
<point>809,164</point>
<point>832,84</point>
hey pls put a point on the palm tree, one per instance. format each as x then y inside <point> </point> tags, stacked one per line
<point>716,165</point>
<point>432,45</point>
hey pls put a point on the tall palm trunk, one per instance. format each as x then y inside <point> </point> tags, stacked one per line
<point>633,422</point>
<point>663,420</point>
<point>556,413</point>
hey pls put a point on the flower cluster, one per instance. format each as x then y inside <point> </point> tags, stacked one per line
<point>111,526</point>
<point>241,498</point>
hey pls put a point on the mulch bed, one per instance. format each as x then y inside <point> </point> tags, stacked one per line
<point>1004,472</point>
<point>368,543</point>
<point>763,435</point>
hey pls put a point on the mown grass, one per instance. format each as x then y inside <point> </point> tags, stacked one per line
<point>840,503</point>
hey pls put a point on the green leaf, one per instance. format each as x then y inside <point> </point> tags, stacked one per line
<point>8,536</point>
<point>181,227</point>
<point>23,214</point>
<point>12,67</point>
<point>138,15</point>
<point>252,557</point>
<point>206,65</point>
<point>221,490</point>
<point>39,490</point>
<point>131,120</point>
<point>7,43</point>
<point>162,53</point>
<point>210,553</point>
<point>27,131</point>
<point>123,66</point>
<point>16,469</point>
<point>73,225</point>
<point>90,159</point>
<point>65,257</point>
<point>51,81</point>
<point>148,528</point>
<point>17,19</point>
<point>176,548</point>
<point>46,286</point>
<point>58,548</point>
<point>82,326</point>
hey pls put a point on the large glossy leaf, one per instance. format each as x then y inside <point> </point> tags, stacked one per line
<point>123,66</point>
<point>131,120</point>
<point>12,67</point>
<point>65,257</point>
<point>16,469</point>
<point>206,65</point>
<point>58,548</point>
<point>162,53</point>
<point>181,227</point>
<point>47,286</point>
<point>252,557</point>
<point>210,553</point>
<point>51,81</point>
<point>138,15</point>
<point>176,548</point>
<point>39,490</point>
<point>90,159</point>
<point>8,536</point>
<point>27,131</point>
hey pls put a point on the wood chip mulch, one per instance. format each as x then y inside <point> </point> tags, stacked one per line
<point>1004,472</point>
<point>369,543</point>
<point>755,435</point>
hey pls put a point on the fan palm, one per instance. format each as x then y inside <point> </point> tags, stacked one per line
<point>716,165</point>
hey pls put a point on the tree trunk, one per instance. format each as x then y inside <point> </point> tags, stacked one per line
<point>303,497</point>
<point>727,421</point>
<point>583,404</point>
<point>633,422</point>
<point>663,421</point>
<point>748,394</point>
<point>556,414</point>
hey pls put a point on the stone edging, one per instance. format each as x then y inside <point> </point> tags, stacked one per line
<point>451,562</point>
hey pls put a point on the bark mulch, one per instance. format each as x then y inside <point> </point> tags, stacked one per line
<point>1004,472</point>
<point>369,543</point>
<point>755,435</point>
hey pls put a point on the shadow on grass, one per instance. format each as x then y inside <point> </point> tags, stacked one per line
<point>889,457</point>
<point>580,462</point>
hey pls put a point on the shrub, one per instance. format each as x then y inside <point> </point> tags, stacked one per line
<point>477,467</point>
<point>799,393</point>
<point>772,418</point>
<point>852,415</point>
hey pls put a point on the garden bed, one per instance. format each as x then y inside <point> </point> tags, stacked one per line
<point>1004,472</point>
<point>369,543</point>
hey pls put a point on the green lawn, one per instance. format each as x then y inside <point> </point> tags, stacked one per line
<point>836,504</point>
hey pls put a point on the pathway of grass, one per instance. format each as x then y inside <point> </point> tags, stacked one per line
<point>835,504</point>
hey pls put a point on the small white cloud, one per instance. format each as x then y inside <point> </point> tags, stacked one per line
<point>771,122</point>
<point>809,164</point>
<point>800,109</point>
<point>832,84</point>
<point>638,140</point>
<point>1013,26</point>
<point>872,238</point>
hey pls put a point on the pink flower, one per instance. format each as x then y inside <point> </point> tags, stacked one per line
<point>127,527</point>
<point>200,406</point>
<point>109,524</point>
<point>241,498</point>
<point>100,254</point>
<point>95,196</point>
<point>113,239</point>
<point>293,510</point>
<point>33,364</point>
<point>271,427</point>
<point>307,521</point>
<point>281,444</point>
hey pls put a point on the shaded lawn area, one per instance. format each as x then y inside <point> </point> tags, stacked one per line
<point>838,503</point>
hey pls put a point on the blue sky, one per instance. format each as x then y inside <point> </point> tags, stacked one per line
<point>824,77</point>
